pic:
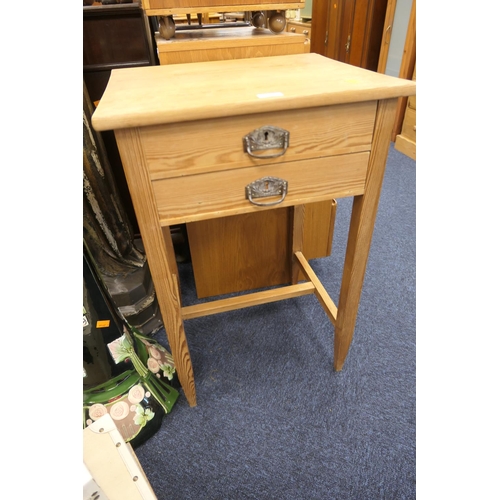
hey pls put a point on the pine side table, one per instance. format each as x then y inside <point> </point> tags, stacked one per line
<point>217,139</point>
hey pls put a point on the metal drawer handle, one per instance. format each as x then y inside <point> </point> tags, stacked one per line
<point>265,138</point>
<point>264,188</point>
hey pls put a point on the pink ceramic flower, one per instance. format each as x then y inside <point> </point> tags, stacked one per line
<point>154,352</point>
<point>119,410</point>
<point>153,365</point>
<point>97,411</point>
<point>136,394</point>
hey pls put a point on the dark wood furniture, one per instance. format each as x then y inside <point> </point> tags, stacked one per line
<point>115,36</point>
<point>349,31</point>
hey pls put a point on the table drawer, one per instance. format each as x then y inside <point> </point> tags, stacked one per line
<point>218,194</point>
<point>204,146</point>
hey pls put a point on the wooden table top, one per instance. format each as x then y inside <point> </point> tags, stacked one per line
<point>155,95</point>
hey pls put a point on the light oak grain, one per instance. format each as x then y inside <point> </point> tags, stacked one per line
<point>237,87</point>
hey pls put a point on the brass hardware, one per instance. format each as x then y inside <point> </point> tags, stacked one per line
<point>265,188</point>
<point>264,138</point>
<point>348,44</point>
<point>388,34</point>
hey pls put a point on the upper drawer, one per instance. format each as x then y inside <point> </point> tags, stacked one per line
<point>203,146</point>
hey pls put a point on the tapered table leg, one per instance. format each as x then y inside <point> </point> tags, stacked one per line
<point>363,216</point>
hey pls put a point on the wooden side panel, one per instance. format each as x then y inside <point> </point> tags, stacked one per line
<point>407,68</point>
<point>409,124</point>
<point>245,252</point>
<point>319,228</point>
<point>405,146</point>
<point>240,253</point>
<point>406,141</point>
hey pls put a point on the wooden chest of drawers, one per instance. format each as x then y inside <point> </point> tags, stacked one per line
<point>299,27</point>
<point>188,142</point>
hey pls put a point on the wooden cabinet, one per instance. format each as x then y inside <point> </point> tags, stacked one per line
<point>406,141</point>
<point>299,27</point>
<point>349,31</point>
<point>114,36</point>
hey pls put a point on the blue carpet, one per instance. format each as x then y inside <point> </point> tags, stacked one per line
<point>274,421</point>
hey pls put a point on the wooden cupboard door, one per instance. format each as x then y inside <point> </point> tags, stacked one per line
<point>361,32</point>
<point>346,42</point>
<point>352,31</point>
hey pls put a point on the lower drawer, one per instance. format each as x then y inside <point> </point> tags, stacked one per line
<point>219,194</point>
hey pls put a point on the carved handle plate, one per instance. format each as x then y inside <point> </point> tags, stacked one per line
<point>266,138</point>
<point>265,188</point>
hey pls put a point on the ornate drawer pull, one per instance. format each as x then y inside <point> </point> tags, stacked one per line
<point>264,138</point>
<point>264,188</point>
